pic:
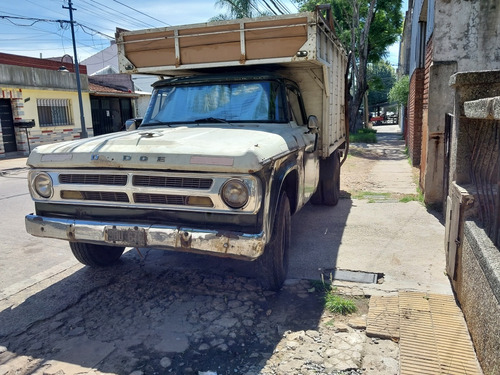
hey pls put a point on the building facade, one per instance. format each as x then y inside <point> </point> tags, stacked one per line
<point>454,137</point>
<point>39,103</point>
<point>445,37</point>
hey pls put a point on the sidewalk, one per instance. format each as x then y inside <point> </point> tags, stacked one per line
<point>12,161</point>
<point>414,303</point>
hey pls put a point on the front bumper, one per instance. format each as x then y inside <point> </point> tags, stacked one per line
<point>225,244</point>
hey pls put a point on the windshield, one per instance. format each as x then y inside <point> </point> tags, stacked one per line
<point>220,102</point>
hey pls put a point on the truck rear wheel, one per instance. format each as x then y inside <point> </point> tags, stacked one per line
<point>273,264</point>
<point>328,191</point>
<point>95,255</point>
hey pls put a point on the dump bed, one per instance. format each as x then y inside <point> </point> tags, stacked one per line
<point>301,47</point>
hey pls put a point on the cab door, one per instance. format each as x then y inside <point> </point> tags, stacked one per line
<point>309,155</point>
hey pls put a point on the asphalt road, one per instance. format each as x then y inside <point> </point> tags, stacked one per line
<point>24,259</point>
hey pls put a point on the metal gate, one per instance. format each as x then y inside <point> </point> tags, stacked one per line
<point>8,131</point>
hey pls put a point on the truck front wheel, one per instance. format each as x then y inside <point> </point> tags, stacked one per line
<point>273,264</point>
<point>328,191</point>
<point>95,255</point>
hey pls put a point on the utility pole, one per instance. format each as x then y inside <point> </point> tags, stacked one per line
<point>83,133</point>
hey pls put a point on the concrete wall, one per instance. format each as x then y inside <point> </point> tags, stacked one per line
<point>441,99</point>
<point>479,295</point>
<point>24,105</point>
<point>50,134</point>
<point>468,31</point>
<point>468,86</point>
<point>28,77</point>
<point>102,59</point>
<point>473,262</point>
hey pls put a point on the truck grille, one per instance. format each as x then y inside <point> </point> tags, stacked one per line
<point>93,179</point>
<point>172,182</point>
<point>137,180</point>
<point>104,196</point>
<point>146,189</point>
<point>160,199</point>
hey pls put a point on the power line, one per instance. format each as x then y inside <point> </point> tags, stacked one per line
<point>110,11</point>
<point>138,11</point>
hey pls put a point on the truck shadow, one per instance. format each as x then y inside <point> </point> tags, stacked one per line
<point>164,312</point>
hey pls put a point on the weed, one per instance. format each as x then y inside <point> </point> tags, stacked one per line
<point>412,198</point>
<point>321,286</point>
<point>338,304</point>
<point>330,323</point>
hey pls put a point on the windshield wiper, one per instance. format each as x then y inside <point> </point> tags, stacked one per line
<point>212,119</point>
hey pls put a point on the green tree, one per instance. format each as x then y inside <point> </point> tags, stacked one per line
<point>235,9</point>
<point>400,91</point>
<point>366,28</point>
<point>381,77</point>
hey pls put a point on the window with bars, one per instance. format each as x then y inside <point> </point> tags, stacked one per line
<point>54,112</point>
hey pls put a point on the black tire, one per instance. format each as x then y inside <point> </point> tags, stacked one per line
<point>328,191</point>
<point>273,264</point>
<point>95,255</point>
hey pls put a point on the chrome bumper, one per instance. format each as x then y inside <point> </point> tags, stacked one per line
<point>226,244</point>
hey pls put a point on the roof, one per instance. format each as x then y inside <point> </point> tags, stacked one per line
<point>100,90</point>
<point>33,62</point>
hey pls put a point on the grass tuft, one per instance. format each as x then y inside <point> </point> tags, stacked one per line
<point>339,305</point>
<point>364,136</point>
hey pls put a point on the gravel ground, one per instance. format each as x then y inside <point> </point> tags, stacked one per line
<point>180,322</point>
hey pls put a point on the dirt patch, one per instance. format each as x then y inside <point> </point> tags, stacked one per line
<point>361,160</point>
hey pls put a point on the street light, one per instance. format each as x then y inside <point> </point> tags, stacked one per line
<point>83,133</point>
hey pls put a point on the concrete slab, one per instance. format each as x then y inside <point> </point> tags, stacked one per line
<point>431,330</point>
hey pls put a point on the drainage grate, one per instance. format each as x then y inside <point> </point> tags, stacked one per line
<point>353,276</point>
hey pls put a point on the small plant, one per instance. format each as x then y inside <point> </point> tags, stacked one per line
<point>320,285</point>
<point>338,304</point>
<point>412,198</point>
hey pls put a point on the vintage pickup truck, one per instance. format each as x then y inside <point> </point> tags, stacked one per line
<point>248,127</point>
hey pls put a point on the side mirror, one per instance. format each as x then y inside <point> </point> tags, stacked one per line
<point>132,124</point>
<point>313,124</point>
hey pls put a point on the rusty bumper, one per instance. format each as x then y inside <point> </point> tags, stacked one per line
<point>225,244</point>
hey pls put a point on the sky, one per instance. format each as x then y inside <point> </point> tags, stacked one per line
<point>43,36</point>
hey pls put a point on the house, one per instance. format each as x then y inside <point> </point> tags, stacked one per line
<point>112,102</point>
<point>442,37</point>
<point>39,103</point>
<point>451,52</point>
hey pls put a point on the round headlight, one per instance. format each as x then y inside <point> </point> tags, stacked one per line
<point>42,184</point>
<point>235,193</point>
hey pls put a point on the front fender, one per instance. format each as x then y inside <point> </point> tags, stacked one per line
<point>283,176</point>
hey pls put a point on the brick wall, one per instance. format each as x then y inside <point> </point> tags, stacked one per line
<point>425,114</point>
<point>415,114</point>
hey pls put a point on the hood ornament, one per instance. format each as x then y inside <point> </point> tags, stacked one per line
<point>150,134</point>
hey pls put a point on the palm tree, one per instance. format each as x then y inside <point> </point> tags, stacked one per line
<point>236,9</point>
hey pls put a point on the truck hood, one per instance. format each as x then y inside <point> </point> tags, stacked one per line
<point>227,148</point>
